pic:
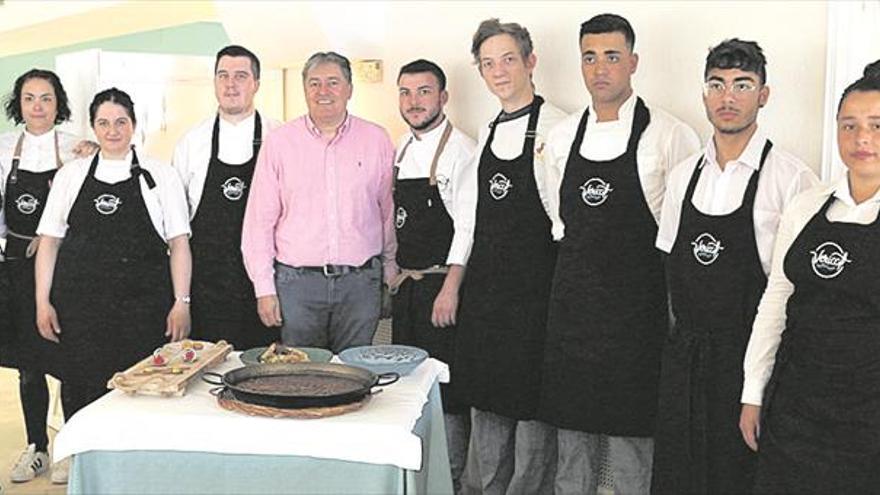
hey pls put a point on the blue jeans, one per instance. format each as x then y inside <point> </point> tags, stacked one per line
<point>335,312</point>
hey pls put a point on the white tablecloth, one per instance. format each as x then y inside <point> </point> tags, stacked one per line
<point>380,433</point>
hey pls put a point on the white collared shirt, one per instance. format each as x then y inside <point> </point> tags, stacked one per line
<point>166,203</point>
<point>37,155</point>
<point>665,142</point>
<point>193,151</point>
<point>719,192</point>
<point>418,154</point>
<point>507,145</point>
<point>770,320</point>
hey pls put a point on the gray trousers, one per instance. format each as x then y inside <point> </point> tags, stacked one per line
<point>458,435</point>
<point>513,457</point>
<point>578,467</point>
<point>335,312</point>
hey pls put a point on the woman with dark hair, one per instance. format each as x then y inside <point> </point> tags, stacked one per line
<point>29,159</point>
<point>104,277</point>
<point>814,353</point>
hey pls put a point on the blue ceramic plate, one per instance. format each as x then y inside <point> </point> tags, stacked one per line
<point>385,358</point>
<point>316,355</point>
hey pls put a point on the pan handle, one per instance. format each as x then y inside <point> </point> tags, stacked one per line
<point>216,391</point>
<point>390,378</point>
<point>212,374</point>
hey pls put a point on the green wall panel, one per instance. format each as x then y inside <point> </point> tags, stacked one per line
<point>199,38</point>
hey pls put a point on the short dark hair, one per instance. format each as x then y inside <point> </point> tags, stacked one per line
<point>735,53</point>
<point>870,81</point>
<point>112,95</point>
<point>609,23</point>
<point>422,65</point>
<point>13,100</point>
<point>239,51</point>
<point>328,58</point>
<point>494,27</point>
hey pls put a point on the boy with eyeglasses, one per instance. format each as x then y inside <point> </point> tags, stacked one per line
<point>608,310</point>
<point>718,224</point>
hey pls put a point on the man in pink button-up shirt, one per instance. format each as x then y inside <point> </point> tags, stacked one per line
<point>319,228</point>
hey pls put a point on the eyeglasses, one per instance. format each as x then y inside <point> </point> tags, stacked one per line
<point>718,88</point>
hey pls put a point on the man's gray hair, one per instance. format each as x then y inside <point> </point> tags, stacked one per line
<point>328,57</point>
<point>493,27</point>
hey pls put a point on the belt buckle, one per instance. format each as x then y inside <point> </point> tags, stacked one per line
<point>330,271</point>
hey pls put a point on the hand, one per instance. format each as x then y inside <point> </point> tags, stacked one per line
<point>47,322</point>
<point>85,148</point>
<point>445,307</point>
<point>269,310</point>
<point>387,303</point>
<point>178,322</point>
<point>750,425</point>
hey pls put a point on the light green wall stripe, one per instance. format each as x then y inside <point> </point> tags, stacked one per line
<point>199,38</point>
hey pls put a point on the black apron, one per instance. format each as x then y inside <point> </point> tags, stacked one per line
<point>223,302</point>
<point>715,281</point>
<point>503,311</point>
<point>424,235</point>
<point>112,286</point>
<point>23,203</point>
<point>608,311</point>
<point>820,431</point>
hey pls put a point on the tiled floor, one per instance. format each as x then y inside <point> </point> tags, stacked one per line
<point>12,441</point>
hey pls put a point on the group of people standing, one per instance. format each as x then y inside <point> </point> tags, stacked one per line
<point>622,284</point>
<point>594,277</point>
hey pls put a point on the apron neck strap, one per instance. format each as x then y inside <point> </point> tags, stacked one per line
<point>443,140</point>
<point>16,156</point>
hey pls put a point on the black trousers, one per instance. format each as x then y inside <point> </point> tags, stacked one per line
<point>34,394</point>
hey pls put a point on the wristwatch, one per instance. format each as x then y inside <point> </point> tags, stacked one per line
<point>184,299</point>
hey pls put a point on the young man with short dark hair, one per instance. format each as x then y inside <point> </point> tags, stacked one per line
<point>719,222</point>
<point>607,317</point>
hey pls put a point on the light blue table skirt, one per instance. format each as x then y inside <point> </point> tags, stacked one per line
<point>173,472</point>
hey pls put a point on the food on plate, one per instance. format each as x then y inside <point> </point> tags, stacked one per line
<point>159,359</point>
<point>280,353</point>
<point>189,355</point>
<point>300,385</point>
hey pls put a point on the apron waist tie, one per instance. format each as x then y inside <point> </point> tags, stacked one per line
<point>404,274</point>
<point>31,248</point>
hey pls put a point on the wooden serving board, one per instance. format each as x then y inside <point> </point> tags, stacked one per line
<point>146,379</point>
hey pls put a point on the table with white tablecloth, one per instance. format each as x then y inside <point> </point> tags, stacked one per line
<point>139,444</point>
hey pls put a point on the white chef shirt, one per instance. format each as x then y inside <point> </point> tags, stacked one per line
<point>418,154</point>
<point>719,192</point>
<point>665,142</point>
<point>507,145</point>
<point>166,203</point>
<point>770,321</point>
<point>37,155</point>
<point>193,151</point>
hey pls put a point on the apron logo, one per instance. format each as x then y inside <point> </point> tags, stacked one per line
<point>499,186</point>
<point>234,188</point>
<point>107,204</point>
<point>595,191</point>
<point>400,218</point>
<point>829,260</point>
<point>27,204</point>
<point>706,248</point>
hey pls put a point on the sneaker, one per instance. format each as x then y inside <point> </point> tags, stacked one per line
<point>30,465</point>
<point>60,471</point>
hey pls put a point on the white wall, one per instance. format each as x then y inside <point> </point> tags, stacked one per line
<point>672,39</point>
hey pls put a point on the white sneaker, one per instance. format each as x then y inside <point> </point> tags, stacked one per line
<point>60,471</point>
<point>30,465</point>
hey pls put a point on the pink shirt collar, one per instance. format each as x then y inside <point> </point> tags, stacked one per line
<point>341,131</point>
